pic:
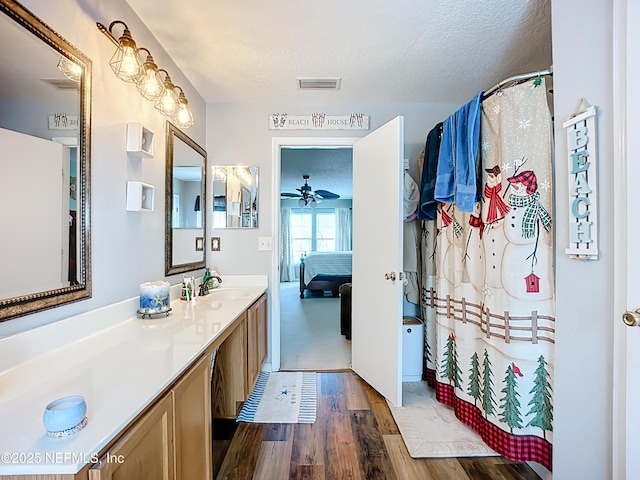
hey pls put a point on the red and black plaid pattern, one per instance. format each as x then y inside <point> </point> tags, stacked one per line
<point>519,448</point>
<point>528,179</point>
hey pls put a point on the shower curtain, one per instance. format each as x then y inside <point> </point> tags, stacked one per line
<point>487,284</point>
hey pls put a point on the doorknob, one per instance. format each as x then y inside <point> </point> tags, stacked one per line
<point>390,276</point>
<point>631,319</point>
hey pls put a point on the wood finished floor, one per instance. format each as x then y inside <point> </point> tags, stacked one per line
<point>354,437</point>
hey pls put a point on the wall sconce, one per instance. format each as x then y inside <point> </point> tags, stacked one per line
<point>168,102</point>
<point>183,117</point>
<point>128,66</point>
<point>150,84</point>
<point>126,63</point>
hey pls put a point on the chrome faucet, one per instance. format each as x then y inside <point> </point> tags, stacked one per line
<point>208,283</point>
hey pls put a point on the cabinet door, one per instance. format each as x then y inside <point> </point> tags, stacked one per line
<point>192,420</point>
<point>262,332</point>
<point>252,347</point>
<point>145,451</point>
<point>256,340</point>
<point>230,373</point>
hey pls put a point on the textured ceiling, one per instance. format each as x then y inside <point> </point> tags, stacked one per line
<point>432,51</point>
<point>383,50</point>
<point>328,169</point>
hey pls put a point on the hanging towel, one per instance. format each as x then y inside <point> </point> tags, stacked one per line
<point>427,207</point>
<point>411,197</point>
<point>468,139</point>
<point>457,160</point>
<point>196,207</point>
<point>444,190</point>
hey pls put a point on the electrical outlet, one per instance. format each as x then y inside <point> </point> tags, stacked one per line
<point>264,243</point>
<point>215,244</point>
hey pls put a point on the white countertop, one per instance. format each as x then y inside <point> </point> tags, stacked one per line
<point>119,368</point>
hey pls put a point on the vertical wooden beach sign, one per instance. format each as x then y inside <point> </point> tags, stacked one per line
<point>582,157</point>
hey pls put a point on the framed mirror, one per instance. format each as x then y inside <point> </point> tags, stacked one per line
<point>45,105</point>
<point>185,201</point>
<point>235,196</point>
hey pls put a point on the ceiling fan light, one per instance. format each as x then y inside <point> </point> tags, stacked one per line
<point>301,203</point>
<point>313,203</point>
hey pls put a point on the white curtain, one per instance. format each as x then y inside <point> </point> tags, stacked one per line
<point>343,229</point>
<point>287,270</point>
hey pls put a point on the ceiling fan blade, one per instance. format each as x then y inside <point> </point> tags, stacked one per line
<point>327,195</point>
<point>296,195</point>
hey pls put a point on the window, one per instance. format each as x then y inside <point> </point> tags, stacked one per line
<point>325,232</point>
<point>301,234</point>
<point>312,231</point>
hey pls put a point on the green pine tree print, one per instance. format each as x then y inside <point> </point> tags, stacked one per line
<point>510,405</point>
<point>541,406</point>
<point>474,379</point>
<point>451,369</point>
<point>488,403</point>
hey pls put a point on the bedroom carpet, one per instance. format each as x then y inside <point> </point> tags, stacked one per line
<point>310,332</point>
<point>430,429</point>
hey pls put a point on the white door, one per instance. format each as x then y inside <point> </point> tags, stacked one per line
<point>626,420</point>
<point>378,161</point>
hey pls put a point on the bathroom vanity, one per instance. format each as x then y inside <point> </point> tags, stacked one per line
<point>147,385</point>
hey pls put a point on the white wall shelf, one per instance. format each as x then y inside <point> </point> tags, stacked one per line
<point>140,197</point>
<point>139,140</point>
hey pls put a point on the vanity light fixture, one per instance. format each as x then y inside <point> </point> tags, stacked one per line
<point>168,102</point>
<point>183,117</point>
<point>150,85</point>
<point>71,70</point>
<point>128,66</point>
<point>126,63</point>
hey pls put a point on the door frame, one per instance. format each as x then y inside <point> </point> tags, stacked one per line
<point>622,396</point>
<point>277,143</point>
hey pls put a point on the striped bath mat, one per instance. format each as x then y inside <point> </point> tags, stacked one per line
<point>282,397</point>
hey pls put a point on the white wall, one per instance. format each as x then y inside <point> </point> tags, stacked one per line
<point>239,134</point>
<point>127,248</point>
<point>582,62</point>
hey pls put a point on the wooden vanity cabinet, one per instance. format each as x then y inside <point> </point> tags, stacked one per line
<point>192,422</point>
<point>172,440</point>
<point>146,449</point>
<point>240,360</point>
<point>256,341</point>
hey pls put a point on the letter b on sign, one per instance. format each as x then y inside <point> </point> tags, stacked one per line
<point>578,137</point>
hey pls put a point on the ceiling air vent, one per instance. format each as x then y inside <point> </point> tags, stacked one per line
<point>61,83</point>
<point>318,83</point>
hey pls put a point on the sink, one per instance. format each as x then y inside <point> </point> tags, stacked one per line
<point>230,293</point>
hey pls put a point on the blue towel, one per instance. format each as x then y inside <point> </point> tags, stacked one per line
<point>427,206</point>
<point>444,190</point>
<point>457,163</point>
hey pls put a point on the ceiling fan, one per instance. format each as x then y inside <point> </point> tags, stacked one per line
<point>307,196</point>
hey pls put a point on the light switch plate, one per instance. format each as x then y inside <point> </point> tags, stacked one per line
<point>264,243</point>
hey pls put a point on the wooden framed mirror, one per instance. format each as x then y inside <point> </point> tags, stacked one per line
<point>185,202</point>
<point>45,132</point>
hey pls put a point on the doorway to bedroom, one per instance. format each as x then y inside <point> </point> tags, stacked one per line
<point>315,226</point>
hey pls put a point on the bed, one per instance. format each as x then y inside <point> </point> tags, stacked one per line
<point>321,271</point>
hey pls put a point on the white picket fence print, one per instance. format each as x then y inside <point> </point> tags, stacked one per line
<point>533,328</point>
